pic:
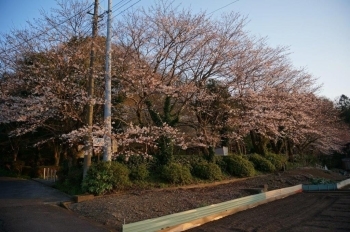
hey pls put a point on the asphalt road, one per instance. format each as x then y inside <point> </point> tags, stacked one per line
<point>27,205</point>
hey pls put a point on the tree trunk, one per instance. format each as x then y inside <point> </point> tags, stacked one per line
<point>259,143</point>
<point>211,154</point>
<point>57,154</point>
<point>166,149</point>
<point>238,148</point>
<point>274,146</point>
<point>289,145</point>
<point>57,158</point>
<point>263,145</point>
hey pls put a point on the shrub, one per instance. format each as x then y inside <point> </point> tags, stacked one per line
<point>139,172</point>
<point>66,171</point>
<point>7,172</point>
<point>239,166</point>
<point>17,167</point>
<point>311,160</point>
<point>105,176</point>
<point>176,173</point>
<point>279,161</point>
<point>69,179</point>
<point>188,159</point>
<point>207,171</point>
<point>261,163</point>
<point>120,175</point>
<point>220,161</point>
<point>316,181</point>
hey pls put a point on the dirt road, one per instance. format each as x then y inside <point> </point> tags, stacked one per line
<point>300,212</point>
<point>134,206</point>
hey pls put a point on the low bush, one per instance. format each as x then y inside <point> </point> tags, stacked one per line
<point>105,176</point>
<point>261,163</point>
<point>69,179</point>
<point>26,171</point>
<point>238,166</point>
<point>121,175</point>
<point>188,160</point>
<point>139,172</point>
<point>17,167</point>
<point>311,160</point>
<point>131,160</point>
<point>317,181</point>
<point>207,171</point>
<point>279,161</point>
<point>176,173</point>
<point>220,161</point>
<point>7,172</point>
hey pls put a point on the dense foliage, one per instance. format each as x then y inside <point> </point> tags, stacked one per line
<point>279,161</point>
<point>261,163</point>
<point>105,176</point>
<point>183,83</point>
<point>176,174</point>
<point>239,166</point>
<point>207,171</point>
<point>139,172</point>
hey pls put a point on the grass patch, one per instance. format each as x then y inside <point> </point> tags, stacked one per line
<point>316,181</point>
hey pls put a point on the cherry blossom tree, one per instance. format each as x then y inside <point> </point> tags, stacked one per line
<point>45,70</point>
<point>182,51</point>
<point>179,79</point>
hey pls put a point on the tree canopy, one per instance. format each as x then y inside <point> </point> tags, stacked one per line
<point>180,80</point>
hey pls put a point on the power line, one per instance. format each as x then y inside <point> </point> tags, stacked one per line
<point>47,30</point>
<point>223,7</point>
<point>120,2</point>
<point>64,21</point>
<point>127,9</point>
<point>120,7</point>
<point>105,11</point>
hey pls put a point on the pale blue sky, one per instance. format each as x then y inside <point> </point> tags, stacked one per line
<point>316,31</point>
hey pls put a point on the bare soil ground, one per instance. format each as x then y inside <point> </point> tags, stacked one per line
<point>302,212</point>
<point>117,209</point>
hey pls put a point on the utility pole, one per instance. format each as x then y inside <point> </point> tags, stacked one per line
<point>107,154</point>
<point>91,86</point>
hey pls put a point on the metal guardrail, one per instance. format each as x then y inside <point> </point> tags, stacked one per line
<point>196,217</point>
<point>343,183</point>
<point>319,187</point>
<point>326,187</point>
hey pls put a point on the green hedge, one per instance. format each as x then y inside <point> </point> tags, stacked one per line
<point>238,166</point>
<point>69,178</point>
<point>188,160</point>
<point>176,173</point>
<point>279,161</point>
<point>105,176</point>
<point>139,172</point>
<point>207,171</point>
<point>261,163</point>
